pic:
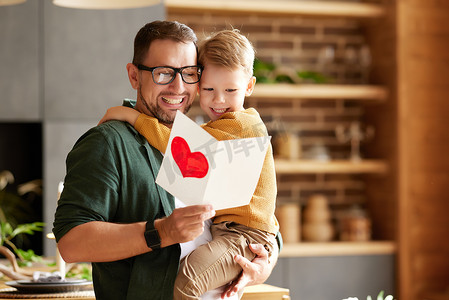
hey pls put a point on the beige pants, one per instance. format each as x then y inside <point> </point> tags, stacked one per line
<point>212,265</point>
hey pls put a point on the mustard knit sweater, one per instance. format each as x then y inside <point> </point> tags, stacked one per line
<point>259,213</point>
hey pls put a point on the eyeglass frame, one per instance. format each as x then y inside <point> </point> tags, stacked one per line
<point>177,70</point>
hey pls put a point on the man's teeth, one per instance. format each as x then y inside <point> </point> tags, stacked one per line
<point>220,111</point>
<point>172,101</point>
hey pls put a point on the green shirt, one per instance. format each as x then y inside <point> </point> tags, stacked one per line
<point>111,174</point>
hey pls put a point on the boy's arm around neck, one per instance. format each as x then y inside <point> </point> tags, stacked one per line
<point>233,125</point>
<point>155,133</point>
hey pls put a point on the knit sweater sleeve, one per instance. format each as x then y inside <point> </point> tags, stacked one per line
<point>156,133</point>
<point>237,125</point>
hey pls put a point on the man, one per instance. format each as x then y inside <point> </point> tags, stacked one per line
<point>111,211</point>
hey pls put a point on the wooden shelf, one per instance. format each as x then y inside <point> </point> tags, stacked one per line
<point>284,166</point>
<point>278,8</point>
<point>321,91</point>
<point>338,248</point>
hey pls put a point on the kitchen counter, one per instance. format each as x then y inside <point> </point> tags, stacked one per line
<point>257,292</point>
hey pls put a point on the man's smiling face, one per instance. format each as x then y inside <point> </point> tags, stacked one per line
<point>162,101</point>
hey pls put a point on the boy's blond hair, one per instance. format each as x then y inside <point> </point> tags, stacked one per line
<point>227,48</point>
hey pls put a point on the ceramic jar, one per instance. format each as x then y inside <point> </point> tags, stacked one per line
<point>355,229</point>
<point>317,225</point>
<point>355,226</point>
<point>288,146</point>
<point>289,216</point>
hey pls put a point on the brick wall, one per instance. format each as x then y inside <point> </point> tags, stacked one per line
<point>296,43</point>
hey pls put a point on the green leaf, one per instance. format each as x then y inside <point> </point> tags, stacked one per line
<point>263,66</point>
<point>263,79</point>
<point>284,79</point>
<point>312,76</point>
<point>29,228</point>
<point>51,264</point>
<point>381,295</point>
<point>83,271</point>
<point>28,256</point>
<point>6,231</point>
<point>23,264</point>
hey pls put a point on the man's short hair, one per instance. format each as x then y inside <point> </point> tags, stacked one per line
<point>160,30</point>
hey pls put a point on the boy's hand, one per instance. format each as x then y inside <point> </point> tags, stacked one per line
<point>254,272</point>
<point>120,113</point>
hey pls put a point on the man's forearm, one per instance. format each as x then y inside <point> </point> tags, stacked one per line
<point>102,242</point>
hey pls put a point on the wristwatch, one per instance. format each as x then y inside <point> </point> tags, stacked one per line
<point>152,236</point>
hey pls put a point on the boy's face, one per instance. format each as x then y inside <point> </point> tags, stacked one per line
<point>222,90</point>
<point>162,101</point>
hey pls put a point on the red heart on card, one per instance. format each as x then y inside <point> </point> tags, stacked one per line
<point>191,164</point>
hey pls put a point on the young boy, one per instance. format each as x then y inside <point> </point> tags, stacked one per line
<point>227,78</point>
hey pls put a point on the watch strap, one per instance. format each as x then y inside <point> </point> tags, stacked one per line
<point>152,236</point>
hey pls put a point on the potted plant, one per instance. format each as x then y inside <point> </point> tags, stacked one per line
<point>12,208</point>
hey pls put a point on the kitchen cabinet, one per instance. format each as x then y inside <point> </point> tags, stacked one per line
<point>335,277</point>
<point>422,107</point>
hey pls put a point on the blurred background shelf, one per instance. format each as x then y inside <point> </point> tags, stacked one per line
<point>321,91</point>
<point>284,166</point>
<point>278,8</point>
<point>338,248</point>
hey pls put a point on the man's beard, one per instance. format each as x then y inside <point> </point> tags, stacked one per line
<point>156,111</point>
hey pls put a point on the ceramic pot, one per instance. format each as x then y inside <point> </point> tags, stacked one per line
<point>289,218</point>
<point>317,226</point>
<point>318,232</point>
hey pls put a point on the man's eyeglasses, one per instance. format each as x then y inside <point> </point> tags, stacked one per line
<point>165,75</point>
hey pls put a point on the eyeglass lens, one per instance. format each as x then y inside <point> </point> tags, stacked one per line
<point>164,75</point>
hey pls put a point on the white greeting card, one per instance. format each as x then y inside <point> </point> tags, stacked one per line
<point>198,169</point>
